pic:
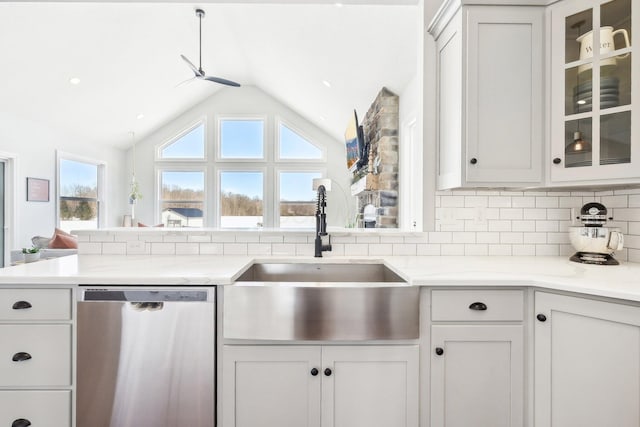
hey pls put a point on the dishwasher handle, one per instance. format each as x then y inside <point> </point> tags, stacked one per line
<point>143,295</point>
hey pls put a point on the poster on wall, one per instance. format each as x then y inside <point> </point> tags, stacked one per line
<point>37,190</point>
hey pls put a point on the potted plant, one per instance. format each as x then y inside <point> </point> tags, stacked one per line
<point>31,254</point>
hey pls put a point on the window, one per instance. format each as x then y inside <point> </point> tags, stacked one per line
<point>294,146</point>
<point>297,199</point>
<point>189,145</point>
<point>241,139</point>
<point>78,202</point>
<point>260,176</point>
<point>182,198</point>
<point>241,199</point>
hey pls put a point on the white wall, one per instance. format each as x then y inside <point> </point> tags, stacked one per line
<point>34,146</point>
<point>246,100</point>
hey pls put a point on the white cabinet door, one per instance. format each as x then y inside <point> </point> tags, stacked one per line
<point>504,94</point>
<point>489,73</point>
<point>594,133</point>
<point>587,363</point>
<point>39,408</point>
<point>271,386</point>
<point>477,376</point>
<point>370,386</point>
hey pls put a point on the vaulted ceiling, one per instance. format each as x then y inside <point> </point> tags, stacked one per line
<point>127,57</point>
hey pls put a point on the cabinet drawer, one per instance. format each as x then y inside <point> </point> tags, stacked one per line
<point>477,305</point>
<point>42,355</point>
<point>35,304</point>
<point>40,408</point>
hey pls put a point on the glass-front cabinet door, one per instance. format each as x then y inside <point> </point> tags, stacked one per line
<point>592,101</point>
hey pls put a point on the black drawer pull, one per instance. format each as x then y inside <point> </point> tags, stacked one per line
<point>439,351</point>
<point>21,422</point>
<point>327,372</point>
<point>314,372</point>
<point>479,306</point>
<point>21,305</point>
<point>541,317</point>
<point>21,357</point>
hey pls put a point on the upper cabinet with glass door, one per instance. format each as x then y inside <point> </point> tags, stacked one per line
<point>593,122</point>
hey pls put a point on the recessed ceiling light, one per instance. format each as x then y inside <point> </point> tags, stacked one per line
<point>326,83</point>
<point>582,102</point>
<point>322,118</point>
<point>338,4</point>
<point>74,80</point>
<point>140,116</point>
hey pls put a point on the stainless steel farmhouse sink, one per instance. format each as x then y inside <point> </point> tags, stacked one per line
<point>320,301</point>
<point>320,273</point>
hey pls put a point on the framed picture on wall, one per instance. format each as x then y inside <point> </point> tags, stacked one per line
<point>37,190</point>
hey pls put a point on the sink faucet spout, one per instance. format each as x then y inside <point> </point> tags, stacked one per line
<point>321,223</point>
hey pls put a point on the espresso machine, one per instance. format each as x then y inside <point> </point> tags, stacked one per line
<point>594,242</point>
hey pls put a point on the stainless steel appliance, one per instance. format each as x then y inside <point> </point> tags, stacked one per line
<point>146,357</point>
<point>594,242</point>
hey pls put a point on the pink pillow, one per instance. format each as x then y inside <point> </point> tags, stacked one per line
<point>63,241</point>
<point>145,225</point>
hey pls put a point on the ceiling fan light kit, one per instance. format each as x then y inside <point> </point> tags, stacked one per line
<point>199,72</point>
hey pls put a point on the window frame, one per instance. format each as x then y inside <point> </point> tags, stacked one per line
<point>266,149</point>
<point>101,184</point>
<point>177,167</point>
<point>278,158</point>
<point>266,182</point>
<point>186,130</point>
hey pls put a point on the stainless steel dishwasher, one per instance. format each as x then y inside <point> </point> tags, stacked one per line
<point>146,357</point>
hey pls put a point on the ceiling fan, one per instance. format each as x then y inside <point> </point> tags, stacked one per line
<point>199,72</point>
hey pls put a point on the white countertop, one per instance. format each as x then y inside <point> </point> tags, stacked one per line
<point>557,273</point>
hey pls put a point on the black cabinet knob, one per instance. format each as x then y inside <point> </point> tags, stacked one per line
<point>557,161</point>
<point>478,306</point>
<point>439,351</point>
<point>327,372</point>
<point>541,317</point>
<point>21,422</point>
<point>473,161</point>
<point>21,305</point>
<point>314,372</point>
<point>21,357</point>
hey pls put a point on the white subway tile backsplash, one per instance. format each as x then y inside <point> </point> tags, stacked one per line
<point>463,237</point>
<point>452,250</point>
<point>235,249</point>
<point>547,226</point>
<point>523,202</point>
<point>381,249</point>
<point>500,250</point>
<point>511,213</point>
<point>211,249</point>
<point>160,248</point>
<point>511,238</point>
<point>547,202</point>
<point>500,202</point>
<point>489,237</point>
<point>534,214</point>
<point>114,248</point>
<point>404,249</point>
<point>499,225</point>
<point>523,225</point>
<point>476,250</point>
<point>187,248</point>
<point>429,249</point>
<point>482,222</point>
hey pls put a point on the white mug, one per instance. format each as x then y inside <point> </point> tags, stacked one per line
<point>607,45</point>
<point>616,241</point>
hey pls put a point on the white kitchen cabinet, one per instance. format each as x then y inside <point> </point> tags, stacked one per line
<point>587,362</point>
<point>593,133</point>
<point>36,370</point>
<point>328,386</point>
<point>489,76</point>
<point>477,358</point>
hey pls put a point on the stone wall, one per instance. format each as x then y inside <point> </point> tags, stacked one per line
<point>381,124</point>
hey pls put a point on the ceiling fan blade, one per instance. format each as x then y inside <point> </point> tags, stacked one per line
<point>193,67</point>
<point>189,80</point>
<point>222,81</point>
